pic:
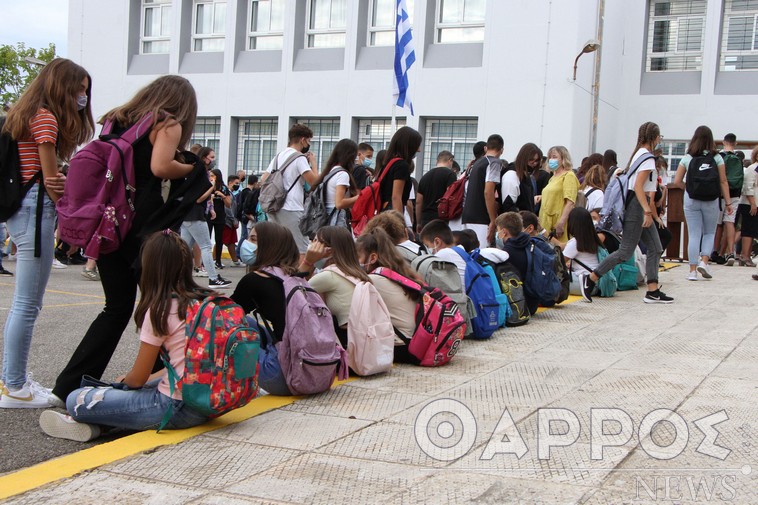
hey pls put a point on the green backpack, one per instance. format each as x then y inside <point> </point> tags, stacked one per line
<point>735,174</point>
<point>608,283</point>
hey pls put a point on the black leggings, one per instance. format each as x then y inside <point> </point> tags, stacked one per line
<point>217,229</point>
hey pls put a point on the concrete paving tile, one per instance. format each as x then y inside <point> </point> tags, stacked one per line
<point>426,382</point>
<point>320,478</point>
<point>662,344</point>
<point>99,487</point>
<point>671,363</point>
<point>573,358</point>
<point>741,364</point>
<point>290,430</point>
<point>218,498</point>
<point>641,382</point>
<point>619,342</point>
<point>206,462</point>
<point>727,390</point>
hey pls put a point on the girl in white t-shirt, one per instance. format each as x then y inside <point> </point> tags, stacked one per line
<point>582,247</point>
<point>141,399</point>
<point>592,187</point>
<point>341,189</point>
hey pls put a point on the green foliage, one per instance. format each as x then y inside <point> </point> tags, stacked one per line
<point>15,72</point>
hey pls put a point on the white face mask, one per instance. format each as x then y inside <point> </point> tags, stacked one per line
<point>81,101</point>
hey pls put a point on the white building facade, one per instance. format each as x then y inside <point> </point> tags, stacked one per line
<point>482,67</point>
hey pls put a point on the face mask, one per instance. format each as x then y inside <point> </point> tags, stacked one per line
<point>212,165</point>
<point>305,149</point>
<point>236,187</point>
<point>81,101</point>
<point>499,242</point>
<point>658,147</point>
<point>552,164</point>
<point>367,162</point>
<point>247,252</point>
<point>364,266</point>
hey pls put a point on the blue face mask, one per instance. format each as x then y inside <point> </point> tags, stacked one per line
<point>499,242</point>
<point>247,252</point>
<point>658,147</point>
<point>367,162</point>
<point>552,164</point>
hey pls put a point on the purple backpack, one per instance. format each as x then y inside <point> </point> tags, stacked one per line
<point>309,352</point>
<point>97,207</point>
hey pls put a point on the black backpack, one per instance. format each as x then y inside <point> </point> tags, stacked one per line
<point>561,271</point>
<point>512,286</point>
<point>12,192</point>
<point>703,178</point>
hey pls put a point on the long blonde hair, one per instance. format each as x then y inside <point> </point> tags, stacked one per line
<point>170,98</point>
<point>56,89</point>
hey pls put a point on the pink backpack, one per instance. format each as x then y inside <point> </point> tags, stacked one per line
<point>370,335</point>
<point>439,324</point>
<point>97,207</point>
<point>309,352</point>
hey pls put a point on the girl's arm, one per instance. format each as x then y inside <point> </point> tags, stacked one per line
<point>165,143</point>
<point>341,201</point>
<point>205,195</point>
<point>49,163</point>
<point>398,186</point>
<point>639,192</point>
<point>227,199</point>
<point>679,177</point>
<point>143,365</point>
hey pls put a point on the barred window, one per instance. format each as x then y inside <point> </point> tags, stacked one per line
<point>378,131</point>
<point>326,134</point>
<point>209,25</point>
<point>673,151</point>
<point>256,144</point>
<point>156,26</point>
<point>207,132</point>
<point>739,46</point>
<point>675,35</point>
<point>327,21</point>
<point>460,21</point>
<point>457,135</point>
<point>266,24</point>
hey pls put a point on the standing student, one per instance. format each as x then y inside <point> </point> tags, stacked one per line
<point>480,207</point>
<point>341,189</point>
<point>638,221</point>
<point>725,230</point>
<point>362,167</point>
<point>748,210</point>
<point>702,215</point>
<point>395,189</point>
<point>559,196</point>
<point>516,188</point>
<point>154,160</point>
<point>50,120</point>
<point>432,187</point>
<point>221,198</point>
<point>167,290</point>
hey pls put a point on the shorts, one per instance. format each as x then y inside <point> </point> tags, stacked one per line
<point>229,235</point>
<point>290,219</point>
<point>749,223</point>
<point>729,218</point>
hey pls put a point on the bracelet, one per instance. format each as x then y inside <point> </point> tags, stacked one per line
<point>307,263</point>
<point>649,213</point>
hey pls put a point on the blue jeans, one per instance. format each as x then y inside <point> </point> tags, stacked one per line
<point>32,275</point>
<point>135,409</point>
<point>197,232</point>
<point>701,219</point>
<point>270,376</point>
<point>243,235</point>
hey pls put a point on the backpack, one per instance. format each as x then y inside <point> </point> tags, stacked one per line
<point>309,351</point>
<point>273,193</point>
<point>541,281</point>
<point>581,198</point>
<point>617,197</point>
<point>627,273</point>
<point>450,205</point>
<point>315,216</point>
<point>735,173</point>
<point>96,210</point>
<point>238,204</point>
<point>12,192</point>
<point>479,288</point>
<point>513,287</point>
<point>500,298</point>
<point>608,283</point>
<point>369,202</point>
<point>370,335</point>
<point>561,271</point>
<point>439,324</point>
<point>703,178</point>
<point>221,359</point>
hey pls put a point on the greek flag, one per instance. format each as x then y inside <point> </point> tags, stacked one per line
<point>404,56</point>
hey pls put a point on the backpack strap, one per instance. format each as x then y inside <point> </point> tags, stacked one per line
<point>464,255</point>
<point>386,169</point>
<point>289,161</point>
<point>398,279</point>
<point>137,131</point>
<point>582,265</point>
<point>337,271</point>
<point>588,193</point>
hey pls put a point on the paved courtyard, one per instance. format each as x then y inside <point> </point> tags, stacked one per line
<point>610,402</point>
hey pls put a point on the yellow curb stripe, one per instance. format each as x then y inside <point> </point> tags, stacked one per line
<point>99,297</point>
<point>100,303</point>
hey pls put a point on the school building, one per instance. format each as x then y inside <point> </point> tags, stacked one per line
<point>482,67</point>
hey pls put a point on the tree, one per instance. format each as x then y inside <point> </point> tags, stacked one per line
<point>15,72</point>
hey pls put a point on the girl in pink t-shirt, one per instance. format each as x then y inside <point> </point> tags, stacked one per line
<point>140,400</point>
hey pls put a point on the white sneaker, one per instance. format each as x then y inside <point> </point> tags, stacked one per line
<point>58,264</point>
<point>60,425</point>
<point>703,270</point>
<point>54,401</point>
<point>199,272</point>
<point>692,276</point>
<point>28,397</point>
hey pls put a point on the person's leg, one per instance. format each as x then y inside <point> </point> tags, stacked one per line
<point>243,235</point>
<point>730,231</point>
<point>32,275</point>
<point>290,219</point>
<point>653,246</point>
<point>633,220</point>
<point>199,232</point>
<point>694,218</point>
<point>710,214</point>
<point>218,235</point>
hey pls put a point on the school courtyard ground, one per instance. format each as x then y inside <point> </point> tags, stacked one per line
<point>610,402</point>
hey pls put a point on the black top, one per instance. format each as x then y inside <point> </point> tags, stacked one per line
<point>516,249</point>
<point>475,206</point>
<point>360,176</point>
<point>432,186</point>
<point>400,171</point>
<point>218,206</point>
<point>525,200</point>
<point>265,294</point>
<point>250,202</point>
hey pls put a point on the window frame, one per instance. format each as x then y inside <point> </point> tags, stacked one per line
<point>735,54</point>
<point>252,35</point>
<point>675,22</point>
<point>463,158</point>
<point>318,140</point>
<point>439,25</point>
<point>208,36</point>
<point>314,32</point>
<point>213,141</point>
<point>386,125</point>
<point>242,138</point>
<point>372,30</point>
<point>159,5</point>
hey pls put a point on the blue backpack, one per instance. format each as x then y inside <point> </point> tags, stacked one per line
<point>479,288</point>
<point>542,282</point>
<point>502,300</point>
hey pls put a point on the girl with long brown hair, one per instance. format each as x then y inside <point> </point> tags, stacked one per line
<point>341,189</point>
<point>49,121</point>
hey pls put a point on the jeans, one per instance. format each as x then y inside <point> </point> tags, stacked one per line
<point>243,235</point>
<point>633,232</point>
<point>135,409</point>
<point>197,232</point>
<point>32,275</point>
<point>701,217</point>
<point>270,376</point>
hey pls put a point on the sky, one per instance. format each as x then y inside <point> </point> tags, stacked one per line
<point>36,23</point>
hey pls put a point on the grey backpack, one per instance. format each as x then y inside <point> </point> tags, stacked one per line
<point>273,193</point>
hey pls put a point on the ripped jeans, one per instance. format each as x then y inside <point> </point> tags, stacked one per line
<point>134,409</point>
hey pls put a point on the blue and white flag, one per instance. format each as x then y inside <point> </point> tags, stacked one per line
<point>404,56</point>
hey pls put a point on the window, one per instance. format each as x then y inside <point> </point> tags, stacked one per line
<point>673,151</point>
<point>739,46</point>
<point>449,134</point>
<point>156,26</point>
<point>326,134</point>
<point>382,18</point>
<point>207,132</point>
<point>256,144</point>
<point>377,131</point>
<point>209,25</point>
<point>675,35</point>
<point>326,23</point>
<point>460,21</point>
<point>266,24</point>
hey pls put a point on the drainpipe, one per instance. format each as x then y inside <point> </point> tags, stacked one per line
<point>596,83</point>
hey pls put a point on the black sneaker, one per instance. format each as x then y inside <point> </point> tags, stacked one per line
<point>219,282</point>
<point>5,272</point>
<point>219,266</point>
<point>720,260</point>
<point>729,260</point>
<point>586,285</point>
<point>61,256</point>
<point>657,296</point>
<point>77,259</point>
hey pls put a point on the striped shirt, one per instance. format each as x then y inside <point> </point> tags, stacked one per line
<point>44,128</point>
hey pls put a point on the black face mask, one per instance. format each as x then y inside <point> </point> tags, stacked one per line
<point>236,187</point>
<point>305,149</point>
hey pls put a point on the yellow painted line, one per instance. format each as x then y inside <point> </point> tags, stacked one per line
<point>72,305</point>
<point>99,297</point>
<point>41,474</point>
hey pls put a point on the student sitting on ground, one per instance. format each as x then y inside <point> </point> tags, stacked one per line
<point>582,246</point>
<point>167,289</point>
<point>438,240</point>
<point>531,223</point>
<point>393,223</point>
<point>510,230</point>
<point>466,239</point>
